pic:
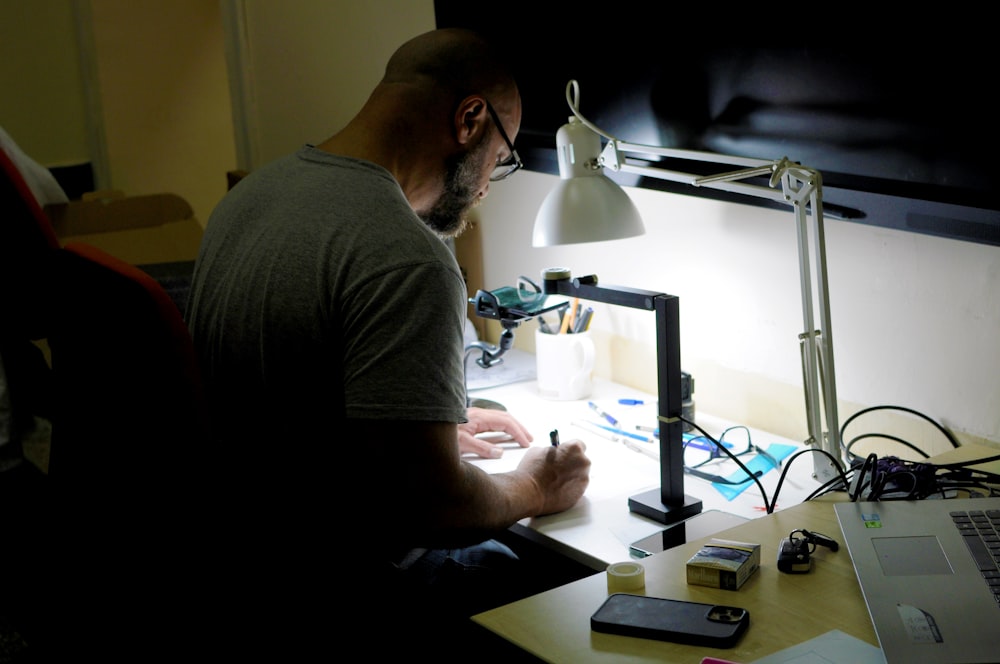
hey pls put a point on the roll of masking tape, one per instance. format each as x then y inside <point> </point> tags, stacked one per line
<point>626,577</point>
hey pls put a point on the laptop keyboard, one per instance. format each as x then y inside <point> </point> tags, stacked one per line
<point>981,531</point>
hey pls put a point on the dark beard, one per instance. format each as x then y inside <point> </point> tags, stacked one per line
<point>448,216</point>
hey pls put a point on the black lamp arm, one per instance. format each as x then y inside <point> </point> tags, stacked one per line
<point>668,504</point>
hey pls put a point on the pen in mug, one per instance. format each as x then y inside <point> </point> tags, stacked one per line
<point>570,318</point>
<point>583,320</point>
<point>566,320</point>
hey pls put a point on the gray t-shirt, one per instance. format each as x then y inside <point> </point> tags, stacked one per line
<point>319,295</point>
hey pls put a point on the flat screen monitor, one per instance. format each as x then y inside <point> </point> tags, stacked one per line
<point>901,126</point>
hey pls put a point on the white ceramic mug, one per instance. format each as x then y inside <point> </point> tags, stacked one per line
<point>564,365</point>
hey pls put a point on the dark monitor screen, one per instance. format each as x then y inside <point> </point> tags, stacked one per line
<point>902,131</point>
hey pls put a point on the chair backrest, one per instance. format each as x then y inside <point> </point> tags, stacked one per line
<point>123,529</point>
<point>24,214</point>
<point>128,396</point>
<point>26,240</point>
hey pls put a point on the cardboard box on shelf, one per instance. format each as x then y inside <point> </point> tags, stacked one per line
<point>145,229</point>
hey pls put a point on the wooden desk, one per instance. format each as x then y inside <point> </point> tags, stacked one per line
<point>785,609</point>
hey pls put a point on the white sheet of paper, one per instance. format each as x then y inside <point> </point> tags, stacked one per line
<point>834,647</point>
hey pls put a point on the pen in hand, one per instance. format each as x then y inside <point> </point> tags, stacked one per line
<point>554,437</point>
<point>593,407</point>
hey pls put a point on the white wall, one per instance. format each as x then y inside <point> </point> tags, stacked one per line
<point>914,318</point>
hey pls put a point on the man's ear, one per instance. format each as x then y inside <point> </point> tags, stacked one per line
<point>471,118</point>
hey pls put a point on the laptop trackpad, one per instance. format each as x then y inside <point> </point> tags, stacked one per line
<point>911,556</point>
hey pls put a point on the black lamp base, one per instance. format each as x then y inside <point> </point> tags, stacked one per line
<point>648,504</point>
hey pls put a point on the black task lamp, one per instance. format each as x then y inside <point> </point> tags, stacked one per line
<point>587,206</point>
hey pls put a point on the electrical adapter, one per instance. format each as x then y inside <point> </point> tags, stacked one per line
<point>793,556</point>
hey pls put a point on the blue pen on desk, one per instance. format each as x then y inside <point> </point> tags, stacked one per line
<point>622,432</point>
<point>593,407</point>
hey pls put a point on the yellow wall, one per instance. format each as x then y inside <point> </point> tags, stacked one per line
<point>159,79</point>
<point>42,103</point>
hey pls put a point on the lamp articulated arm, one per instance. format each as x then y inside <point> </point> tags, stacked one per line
<point>586,206</point>
<point>801,188</point>
<point>788,183</point>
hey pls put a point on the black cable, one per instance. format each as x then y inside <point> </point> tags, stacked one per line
<point>947,434</point>
<point>840,479</point>
<point>870,461</point>
<point>895,439</point>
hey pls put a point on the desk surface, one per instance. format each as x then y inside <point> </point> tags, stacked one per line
<point>599,530</point>
<point>785,609</point>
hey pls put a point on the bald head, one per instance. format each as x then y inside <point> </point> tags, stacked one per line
<point>458,62</point>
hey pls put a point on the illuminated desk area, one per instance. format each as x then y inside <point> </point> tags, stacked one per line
<point>599,530</point>
<point>785,609</point>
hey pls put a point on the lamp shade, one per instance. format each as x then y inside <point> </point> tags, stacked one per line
<point>585,205</point>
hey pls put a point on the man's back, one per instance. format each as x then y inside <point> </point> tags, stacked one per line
<point>295,304</point>
<point>297,309</point>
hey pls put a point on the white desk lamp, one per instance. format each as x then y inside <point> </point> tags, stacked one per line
<point>587,206</point>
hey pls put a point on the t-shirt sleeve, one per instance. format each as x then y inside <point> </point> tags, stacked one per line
<point>404,345</point>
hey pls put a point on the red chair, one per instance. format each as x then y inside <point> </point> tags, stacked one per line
<point>111,547</point>
<point>26,241</point>
<point>125,536</point>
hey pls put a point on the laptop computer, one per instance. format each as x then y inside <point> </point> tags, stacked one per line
<point>928,598</point>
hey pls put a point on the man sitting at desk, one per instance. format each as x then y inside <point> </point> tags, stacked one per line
<point>328,315</point>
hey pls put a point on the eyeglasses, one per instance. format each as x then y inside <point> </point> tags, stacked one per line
<point>700,450</point>
<point>513,162</point>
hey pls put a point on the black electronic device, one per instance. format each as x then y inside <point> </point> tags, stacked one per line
<point>701,525</point>
<point>509,304</point>
<point>795,551</point>
<point>692,623</point>
<point>793,556</point>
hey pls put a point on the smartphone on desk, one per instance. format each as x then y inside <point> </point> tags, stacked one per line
<point>691,623</point>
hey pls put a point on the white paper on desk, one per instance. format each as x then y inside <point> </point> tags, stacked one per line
<point>834,647</point>
<point>517,365</point>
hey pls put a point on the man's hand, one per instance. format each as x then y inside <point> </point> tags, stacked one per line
<point>485,420</point>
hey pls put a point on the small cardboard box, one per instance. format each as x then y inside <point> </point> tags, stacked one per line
<point>723,564</point>
<point>143,229</point>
